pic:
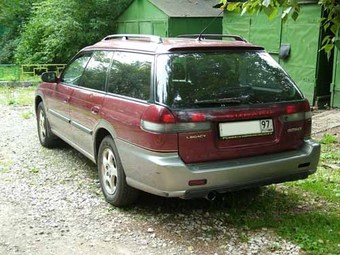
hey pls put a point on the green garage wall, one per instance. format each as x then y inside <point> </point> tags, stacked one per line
<point>143,17</point>
<point>335,88</point>
<point>309,68</point>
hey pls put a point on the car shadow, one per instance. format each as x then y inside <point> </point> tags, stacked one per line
<point>223,201</point>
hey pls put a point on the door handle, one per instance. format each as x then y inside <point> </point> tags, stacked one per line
<point>67,100</point>
<point>95,109</point>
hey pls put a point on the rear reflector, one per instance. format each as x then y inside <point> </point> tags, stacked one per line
<point>197,182</point>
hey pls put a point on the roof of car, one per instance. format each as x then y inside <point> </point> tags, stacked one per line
<point>187,8</point>
<point>155,44</point>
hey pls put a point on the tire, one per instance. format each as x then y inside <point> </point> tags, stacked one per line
<point>46,137</point>
<point>112,176</point>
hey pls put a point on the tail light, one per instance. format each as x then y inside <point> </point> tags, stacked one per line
<point>299,112</point>
<point>160,119</point>
<point>298,108</point>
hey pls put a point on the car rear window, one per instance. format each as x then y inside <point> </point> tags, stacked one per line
<point>209,79</point>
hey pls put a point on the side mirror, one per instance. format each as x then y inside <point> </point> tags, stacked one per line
<point>49,77</point>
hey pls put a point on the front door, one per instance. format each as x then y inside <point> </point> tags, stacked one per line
<point>58,109</point>
<point>59,101</point>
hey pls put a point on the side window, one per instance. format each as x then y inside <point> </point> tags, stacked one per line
<point>75,69</point>
<point>130,75</point>
<point>94,76</point>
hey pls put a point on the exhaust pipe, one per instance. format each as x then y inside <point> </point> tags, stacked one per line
<point>211,196</point>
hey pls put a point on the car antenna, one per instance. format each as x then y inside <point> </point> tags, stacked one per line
<point>200,35</point>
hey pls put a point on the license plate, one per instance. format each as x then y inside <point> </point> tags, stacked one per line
<point>238,129</point>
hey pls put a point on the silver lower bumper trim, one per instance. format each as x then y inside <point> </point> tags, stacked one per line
<point>165,174</point>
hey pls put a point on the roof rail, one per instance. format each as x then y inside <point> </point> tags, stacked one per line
<point>204,36</point>
<point>150,38</point>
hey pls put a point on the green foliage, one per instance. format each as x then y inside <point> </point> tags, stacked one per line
<point>13,14</point>
<point>9,73</point>
<point>328,138</point>
<point>27,114</point>
<point>58,29</point>
<point>331,22</point>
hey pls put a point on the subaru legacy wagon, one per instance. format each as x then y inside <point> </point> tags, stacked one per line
<point>179,117</point>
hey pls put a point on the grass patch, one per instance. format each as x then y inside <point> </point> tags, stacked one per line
<point>5,166</point>
<point>34,170</point>
<point>17,96</point>
<point>284,210</point>
<point>328,139</point>
<point>315,232</point>
<point>27,114</point>
<point>324,184</point>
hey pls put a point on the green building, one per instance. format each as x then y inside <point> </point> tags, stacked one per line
<point>335,86</point>
<point>299,43</point>
<point>170,17</point>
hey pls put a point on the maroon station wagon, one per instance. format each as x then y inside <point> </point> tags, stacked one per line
<point>179,117</point>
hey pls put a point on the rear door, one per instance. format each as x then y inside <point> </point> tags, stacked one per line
<point>128,95</point>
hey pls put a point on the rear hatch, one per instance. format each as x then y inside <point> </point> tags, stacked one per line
<point>231,104</point>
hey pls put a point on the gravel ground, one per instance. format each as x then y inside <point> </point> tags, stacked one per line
<point>325,121</point>
<point>51,203</point>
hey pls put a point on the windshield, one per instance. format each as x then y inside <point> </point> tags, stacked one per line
<point>207,79</point>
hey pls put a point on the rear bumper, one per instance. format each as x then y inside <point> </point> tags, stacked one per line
<point>165,174</point>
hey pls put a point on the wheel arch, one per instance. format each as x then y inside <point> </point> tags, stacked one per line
<point>103,129</point>
<point>38,99</point>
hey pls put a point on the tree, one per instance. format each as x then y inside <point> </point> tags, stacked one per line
<point>330,22</point>
<point>58,29</point>
<point>13,14</point>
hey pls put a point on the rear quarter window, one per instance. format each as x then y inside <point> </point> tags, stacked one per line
<point>130,75</point>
